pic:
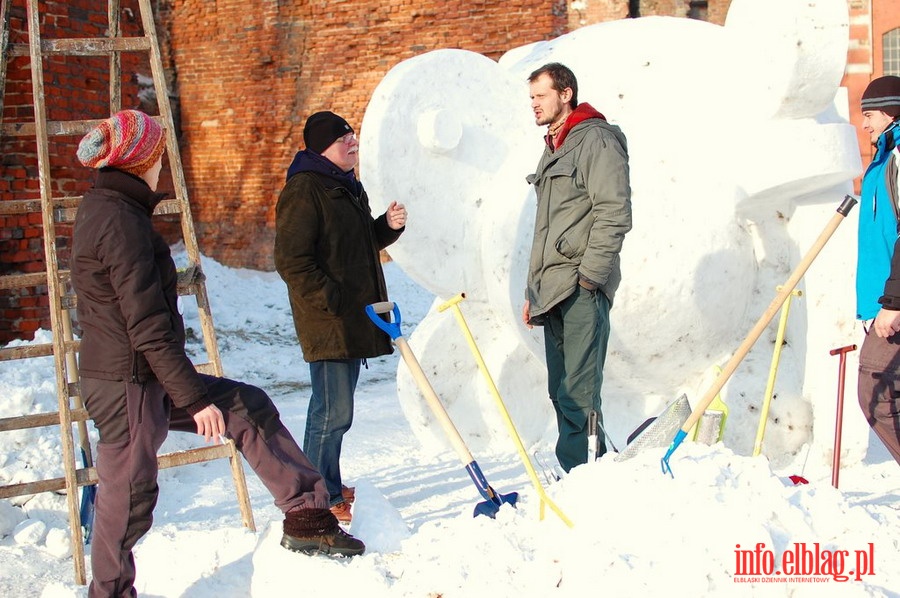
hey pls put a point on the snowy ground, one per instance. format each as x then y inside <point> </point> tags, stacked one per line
<point>636,532</point>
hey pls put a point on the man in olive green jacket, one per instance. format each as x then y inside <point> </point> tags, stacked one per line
<point>583,214</point>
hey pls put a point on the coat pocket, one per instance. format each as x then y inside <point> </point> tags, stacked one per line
<point>573,242</point>
<point>563,168</point>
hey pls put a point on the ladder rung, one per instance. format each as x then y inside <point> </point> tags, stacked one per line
<point>88,476</point>
<point>57,127</point>
<point>39,420</point>
<point>65,208</point>
<point>32,279</point>
<point>206,368</point>
<point>23,281</point>
<point>83,477</point>
<point>197,455</point>
<point>189,280</point>
<point>168,206</point>
<point>65,215</point>
<point>30,206</point>
<point>86,46</point>
<point>39,350</point>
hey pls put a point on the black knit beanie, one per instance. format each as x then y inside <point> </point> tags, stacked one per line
<point>322,129</point>
<point>883,94</point>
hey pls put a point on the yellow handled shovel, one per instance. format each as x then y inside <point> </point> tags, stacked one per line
<point>545,500</point>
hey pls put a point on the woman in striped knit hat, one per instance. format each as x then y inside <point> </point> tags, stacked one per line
<point>136,379</point>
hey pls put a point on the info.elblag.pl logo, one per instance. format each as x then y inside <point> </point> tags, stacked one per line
<point>802,563</point>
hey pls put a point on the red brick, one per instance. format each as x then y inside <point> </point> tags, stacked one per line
<point>259,74</point>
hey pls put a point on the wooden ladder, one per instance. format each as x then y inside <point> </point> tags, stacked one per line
<point>61,210</point>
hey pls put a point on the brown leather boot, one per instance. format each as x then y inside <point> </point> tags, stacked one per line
<point>316,531</point>
<point>342,512</point>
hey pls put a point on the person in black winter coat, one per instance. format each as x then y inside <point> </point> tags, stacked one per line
<point>136,379</point>
<point>327,250</point>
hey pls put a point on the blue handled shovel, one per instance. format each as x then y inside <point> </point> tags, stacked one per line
<point>493,500</point>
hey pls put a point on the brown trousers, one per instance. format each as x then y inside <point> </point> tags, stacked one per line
<point>879,388</point>
<point>133,421</point>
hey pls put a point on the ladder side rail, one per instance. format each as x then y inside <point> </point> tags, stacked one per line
<point>115,58</point>
<point>49,230</point>
<point>175,165</point>
<point>4,50</point>
<point>74,383</point>
<point>190,241</point>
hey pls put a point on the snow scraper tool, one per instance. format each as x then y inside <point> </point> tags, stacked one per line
<point>493,500</point>
<point>754,334</point>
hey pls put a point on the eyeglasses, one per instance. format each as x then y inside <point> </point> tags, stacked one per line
<point>346,139</point>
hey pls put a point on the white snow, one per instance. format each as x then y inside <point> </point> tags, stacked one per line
<point>727,199</point>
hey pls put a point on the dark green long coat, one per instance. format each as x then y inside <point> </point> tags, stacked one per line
<point>327,248</point>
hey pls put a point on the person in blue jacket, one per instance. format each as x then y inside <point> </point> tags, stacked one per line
<point>878,265</point>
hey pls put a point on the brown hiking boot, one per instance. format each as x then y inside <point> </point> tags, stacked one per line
<point>342,512</point>
<point>349,494</point>
<point>339,543</point>
<point>316,531</point>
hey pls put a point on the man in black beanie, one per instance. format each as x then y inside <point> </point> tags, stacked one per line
<point>327,250</point>
<point>878,265</point>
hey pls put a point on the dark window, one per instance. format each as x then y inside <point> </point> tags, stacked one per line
<point>698,10</point>
<point>891,52</point>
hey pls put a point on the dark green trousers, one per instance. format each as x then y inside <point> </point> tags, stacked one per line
<point>576,333</point>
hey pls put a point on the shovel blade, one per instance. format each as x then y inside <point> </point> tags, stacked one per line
<point>492,507</point>
<point>86,512</point>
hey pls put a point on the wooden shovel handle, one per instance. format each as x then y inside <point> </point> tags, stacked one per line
<point>786,289</point>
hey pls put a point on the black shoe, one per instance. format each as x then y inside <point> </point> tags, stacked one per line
<point>339,543</point>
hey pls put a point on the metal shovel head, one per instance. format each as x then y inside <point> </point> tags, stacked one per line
<point>491,507</point>
<point>709,429</point>
<point>86,512</point>
<point>659,433</point>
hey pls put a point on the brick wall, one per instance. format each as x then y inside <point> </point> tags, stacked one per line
<point>248,79</point>
<point>74,87</point>
<point>244,77</point>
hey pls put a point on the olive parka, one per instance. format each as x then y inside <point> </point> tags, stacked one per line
<point>327,251</point>
<point>583,213</point>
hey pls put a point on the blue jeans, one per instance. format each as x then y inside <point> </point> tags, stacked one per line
<point>329,416</point>
<point>576,334</point>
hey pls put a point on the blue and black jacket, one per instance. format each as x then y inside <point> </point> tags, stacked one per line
<point>877,278</point>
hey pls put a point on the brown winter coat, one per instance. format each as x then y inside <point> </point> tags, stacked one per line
<point>327,251</point>
<point>125,280</point>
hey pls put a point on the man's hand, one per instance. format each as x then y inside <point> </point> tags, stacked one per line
<point>525,309</point>
<point>886,323</point>
<point>210,423</point>
<point>396,215</point>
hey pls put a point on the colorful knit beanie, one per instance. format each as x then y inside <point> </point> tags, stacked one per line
<point>129,140</point>
<point>322,129</point>
<point>883,94</point>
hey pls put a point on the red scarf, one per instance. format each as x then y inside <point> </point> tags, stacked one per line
<point>582,112</point>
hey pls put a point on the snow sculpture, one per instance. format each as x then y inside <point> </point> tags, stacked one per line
<point>739,156</point>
